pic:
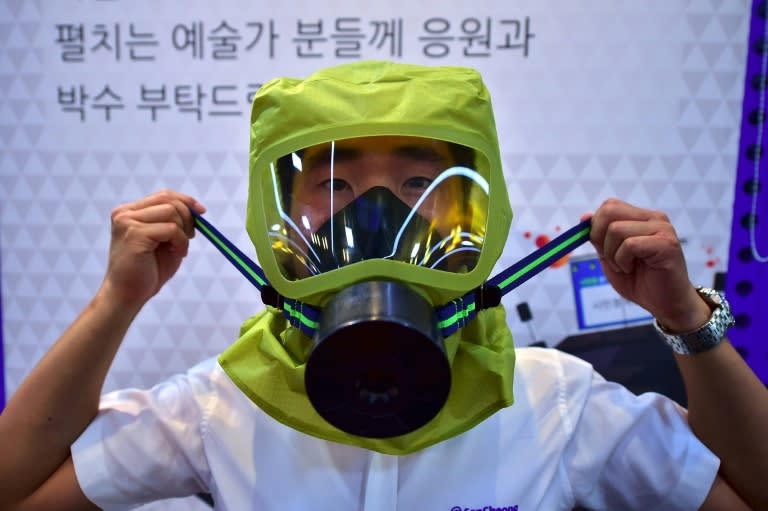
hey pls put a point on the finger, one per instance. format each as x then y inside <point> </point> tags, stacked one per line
<point>162,196</point>
<point>159,213</point>
<point>149,226</point>
<point>183,213</point>
<point>173,211</point>
<point>620,230</point>
<point>166,232</point>
<point>614,209</point>
<point>655,251</point>
<point>187,200</point>
<point>175,199</point>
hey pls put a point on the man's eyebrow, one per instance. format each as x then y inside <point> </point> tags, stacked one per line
<point>418,152</point>
<point>324,157</point>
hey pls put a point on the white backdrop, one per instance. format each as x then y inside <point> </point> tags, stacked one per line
<point>102,102</point>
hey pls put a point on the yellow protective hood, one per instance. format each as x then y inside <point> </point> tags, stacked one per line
<point>267,363</point>
<point>362,99</point>
<point>367,99</point>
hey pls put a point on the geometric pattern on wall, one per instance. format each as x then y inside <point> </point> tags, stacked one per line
<point>651,116</point>
<point>681,159</point>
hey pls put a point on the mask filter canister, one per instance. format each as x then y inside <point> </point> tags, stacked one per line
<point>378,367</point>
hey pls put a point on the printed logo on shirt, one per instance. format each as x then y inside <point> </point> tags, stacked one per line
<point>485,508</point>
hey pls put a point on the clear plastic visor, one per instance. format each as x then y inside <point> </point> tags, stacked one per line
<point>416,200</point>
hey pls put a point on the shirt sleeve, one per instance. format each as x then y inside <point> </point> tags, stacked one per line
<point>145,445</point>
<point>632,452</point>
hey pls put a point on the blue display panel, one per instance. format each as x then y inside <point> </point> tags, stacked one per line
<point>597,304</point>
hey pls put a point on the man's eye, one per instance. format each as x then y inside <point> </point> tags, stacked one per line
<point>336,185</point>
<point>418,183</point>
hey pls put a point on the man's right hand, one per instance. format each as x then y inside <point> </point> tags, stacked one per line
<point>60,396</point>
<point>150,237</point>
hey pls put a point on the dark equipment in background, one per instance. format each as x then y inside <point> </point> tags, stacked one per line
<point>635,357</point>
<point>718,283</point>
<point>525,315</point>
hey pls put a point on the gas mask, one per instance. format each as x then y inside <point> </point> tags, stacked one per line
<point>378,367</point>
<point>377,207</point>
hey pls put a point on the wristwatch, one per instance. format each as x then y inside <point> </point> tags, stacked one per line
<point>710,334</point>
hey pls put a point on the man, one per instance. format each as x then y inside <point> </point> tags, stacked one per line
<point>241,427</point>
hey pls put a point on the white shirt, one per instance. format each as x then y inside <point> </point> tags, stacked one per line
<point>570,437</point>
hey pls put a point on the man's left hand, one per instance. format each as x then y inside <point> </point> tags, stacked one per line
<point>642,258</point>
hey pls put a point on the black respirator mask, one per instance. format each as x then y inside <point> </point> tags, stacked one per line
<point>378,367</point>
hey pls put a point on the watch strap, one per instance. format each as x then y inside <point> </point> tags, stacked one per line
<point>708,335</point>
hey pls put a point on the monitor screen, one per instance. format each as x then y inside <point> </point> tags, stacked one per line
<point>597,304</point>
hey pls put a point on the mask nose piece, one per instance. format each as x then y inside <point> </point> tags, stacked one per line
<point>371,207</point>
<point>378,367</point>
<point>367,228</point>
